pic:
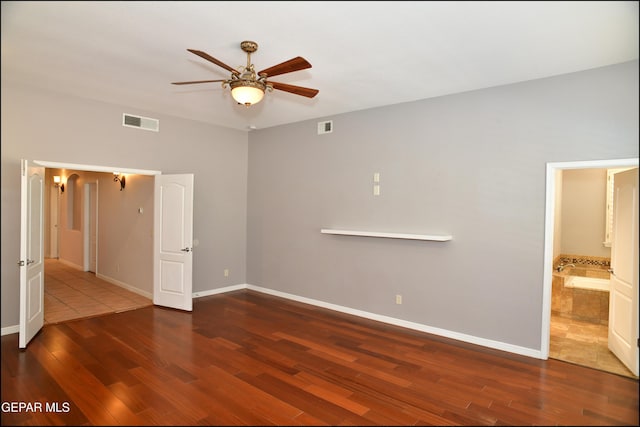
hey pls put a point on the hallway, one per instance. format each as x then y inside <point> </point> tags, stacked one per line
<point>73,294</point>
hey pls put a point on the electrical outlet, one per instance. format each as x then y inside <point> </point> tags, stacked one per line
<point>376,190</point>
<point>226,272</point>
<point>398,299</point>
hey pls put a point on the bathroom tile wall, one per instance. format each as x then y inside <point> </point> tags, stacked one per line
<point>580,304</point>
<point>586,261</point>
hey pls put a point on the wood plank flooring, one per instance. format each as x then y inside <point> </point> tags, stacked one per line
<point>245,358</point>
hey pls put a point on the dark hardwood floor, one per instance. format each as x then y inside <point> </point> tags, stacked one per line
<point>252,359</point>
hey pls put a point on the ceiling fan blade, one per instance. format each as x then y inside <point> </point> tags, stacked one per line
<point>197,81</point>
<point>298,90</point>
<point>214,60</point>
<point>294,64</point>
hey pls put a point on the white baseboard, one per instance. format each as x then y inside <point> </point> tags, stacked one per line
<point>125,286</point>
<point>10,330</point>
<point>406,324</point>
<point>219,291</point>
<point>109,279</point>
<point>498,345</point>
<point>70,264</point>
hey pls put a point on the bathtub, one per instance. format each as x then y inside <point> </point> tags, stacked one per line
<point>581,293</point>
<point>591,283</point>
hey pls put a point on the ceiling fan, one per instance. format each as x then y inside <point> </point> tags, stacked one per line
<point>247,86</point>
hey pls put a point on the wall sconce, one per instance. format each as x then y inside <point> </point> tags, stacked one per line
<point>57,182</point>
<point>120,179</point>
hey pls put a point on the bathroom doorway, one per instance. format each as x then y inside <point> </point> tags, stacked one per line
<point>575,318</point>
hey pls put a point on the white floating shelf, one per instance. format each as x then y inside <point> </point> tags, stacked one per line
<point>437,238</point>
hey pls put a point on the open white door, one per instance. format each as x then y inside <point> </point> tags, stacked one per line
<point>31,252</point>
<point>623,295</point>
<point>173,241</point>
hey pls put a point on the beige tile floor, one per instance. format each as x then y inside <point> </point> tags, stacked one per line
<point>585,344</point>
<point>73,294</point>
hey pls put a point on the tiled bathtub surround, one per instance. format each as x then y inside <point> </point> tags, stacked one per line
<point>584,261</point>
<point>575,303</point>
<point>580,317</point>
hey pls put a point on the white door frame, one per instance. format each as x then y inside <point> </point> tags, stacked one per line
<point>549,222</point>
<point>90,168</point>
<point>90,224</point>
<point>95,168</point>
<point>54,222</point>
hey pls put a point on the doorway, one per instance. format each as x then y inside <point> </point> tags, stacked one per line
<point>582,342</point>
<point>172,224</point>
<point>74,288</point>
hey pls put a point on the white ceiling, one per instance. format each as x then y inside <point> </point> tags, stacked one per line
<point>364,54</point>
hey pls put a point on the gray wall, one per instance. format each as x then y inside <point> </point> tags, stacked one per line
<point>471,165</point>
<point>584,205</point>
<point>124,235</point>
<point>40,125</point>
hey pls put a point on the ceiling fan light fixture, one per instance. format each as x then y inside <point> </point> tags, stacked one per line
<point>247,86</point>
<point>247,92</point>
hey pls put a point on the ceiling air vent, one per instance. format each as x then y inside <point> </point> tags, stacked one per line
<point>325,127</point>
<point>139,122</point>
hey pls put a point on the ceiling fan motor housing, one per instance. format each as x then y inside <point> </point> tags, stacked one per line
<point>249,46</point>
